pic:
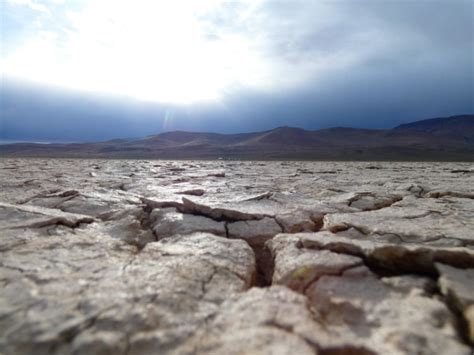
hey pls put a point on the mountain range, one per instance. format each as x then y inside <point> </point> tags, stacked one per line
<point>436,139</point>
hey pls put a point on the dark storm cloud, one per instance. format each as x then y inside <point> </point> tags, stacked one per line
<point>35,112</point>
<point>384,63</point>
<point>435,25</point>
<point>402,61</point>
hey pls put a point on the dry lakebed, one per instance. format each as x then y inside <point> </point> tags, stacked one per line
<point>236,257</point>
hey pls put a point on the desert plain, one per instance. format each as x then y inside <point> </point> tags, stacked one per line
<point>236,257</point>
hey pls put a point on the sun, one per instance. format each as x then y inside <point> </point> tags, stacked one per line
<point>163,51</point>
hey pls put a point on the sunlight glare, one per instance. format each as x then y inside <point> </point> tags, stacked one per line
<point>150,50</point>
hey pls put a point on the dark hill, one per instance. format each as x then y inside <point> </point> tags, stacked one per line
<point>456,127</point>
<point>443,139</point>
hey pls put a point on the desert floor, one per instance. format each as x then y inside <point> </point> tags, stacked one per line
<point>229,257</point>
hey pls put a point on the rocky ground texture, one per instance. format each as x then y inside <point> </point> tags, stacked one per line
<point>228,257</point>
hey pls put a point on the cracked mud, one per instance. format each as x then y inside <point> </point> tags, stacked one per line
<point>221,257</point>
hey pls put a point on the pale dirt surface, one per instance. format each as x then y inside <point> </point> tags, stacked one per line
<point>229,257</point>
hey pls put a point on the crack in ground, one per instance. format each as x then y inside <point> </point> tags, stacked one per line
<point>377,206</point>
<point>400,259</point>
<point>329,273</point>
<point>439,194</point>
<point>57,221</point>
<point>217,214</point>
<point>460,322</point>
<point>344,226</point>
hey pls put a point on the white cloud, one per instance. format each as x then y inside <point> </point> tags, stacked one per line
<point>33,5</point>
<point>186,51</point>
<point>147,49</point>
<point>161,50</point>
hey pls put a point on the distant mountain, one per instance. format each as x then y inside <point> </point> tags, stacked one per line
<point>456,127</point>
<point>442,139</point>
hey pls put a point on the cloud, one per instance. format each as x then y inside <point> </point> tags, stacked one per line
<point>242,66</point>
<point>33,5</point>
<point>145,49</point>
<point>306,41</point>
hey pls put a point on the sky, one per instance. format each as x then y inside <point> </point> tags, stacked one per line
<point>84,70</point>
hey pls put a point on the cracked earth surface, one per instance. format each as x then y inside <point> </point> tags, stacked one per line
<point>220,257</point>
